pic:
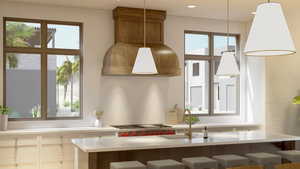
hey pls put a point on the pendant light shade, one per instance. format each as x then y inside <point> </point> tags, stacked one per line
<point>228,66</point>
<point>269,34</point>
<point>144,62</point>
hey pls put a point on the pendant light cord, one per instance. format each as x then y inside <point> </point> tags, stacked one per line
<point>227,25</point>
<point>144,23</point>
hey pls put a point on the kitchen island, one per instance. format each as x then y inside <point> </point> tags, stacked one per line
<point>97,153</point>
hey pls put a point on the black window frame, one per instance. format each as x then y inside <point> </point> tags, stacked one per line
<point>44,51</point>
<point>211,58</point>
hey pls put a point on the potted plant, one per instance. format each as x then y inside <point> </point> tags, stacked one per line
<point>4,111</point>
<point>296,100</point>
<point>98,115</point>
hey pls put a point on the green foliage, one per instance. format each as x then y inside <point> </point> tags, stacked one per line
<point>4,110</point>
<point>12,60</point>
<point>66,72</point>
<point>296,100</point>
<point>67,104</point>
<point>194,119</point>
<point>36,111</point>
<point>76,106</point>
<point>17,35</point>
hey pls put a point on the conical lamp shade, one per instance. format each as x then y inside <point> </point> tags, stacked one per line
<point>228,65</point>
<point>269,34</point>
<point>144,62</point>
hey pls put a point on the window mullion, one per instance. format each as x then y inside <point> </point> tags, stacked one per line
<point>44,69</point>
<point>211,75</point>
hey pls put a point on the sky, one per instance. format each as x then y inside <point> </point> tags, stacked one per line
<point>198,42</point>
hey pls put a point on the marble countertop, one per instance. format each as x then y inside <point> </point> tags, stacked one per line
<point>113,143</point>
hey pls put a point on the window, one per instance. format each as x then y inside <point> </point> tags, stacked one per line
<point>42,70</point>
<point>205,93</point>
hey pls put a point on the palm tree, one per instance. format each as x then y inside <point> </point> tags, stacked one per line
<point>75,69</point>
<point>65,76</point>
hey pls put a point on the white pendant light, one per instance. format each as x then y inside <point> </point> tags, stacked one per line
<point>269,34</point>
<point>228,66</point>
<point>144,62</point>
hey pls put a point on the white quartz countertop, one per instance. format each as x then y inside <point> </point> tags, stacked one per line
<point>215,125</point>
<point>113,143</point>
<point>73,130</point>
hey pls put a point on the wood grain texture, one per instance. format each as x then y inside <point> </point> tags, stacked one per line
<point>288,166</point>
<point>129,37</point>
<point>143,156</point>
<point>248,167</point>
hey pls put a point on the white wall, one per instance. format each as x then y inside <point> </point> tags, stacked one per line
<point>283,84</point>
<point>138,99</point>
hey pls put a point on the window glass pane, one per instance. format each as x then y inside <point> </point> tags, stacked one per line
<point>225,94</point>
<point>23,34</point>
<point>196,44</point>
<point>197,87</point>
<point>63,86</point>
<point>220,44</point>
<point>23,85</point>
<point>63,36</point>
<point>196,69</point>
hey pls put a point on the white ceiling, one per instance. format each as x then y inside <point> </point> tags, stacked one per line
<point>216,9</point>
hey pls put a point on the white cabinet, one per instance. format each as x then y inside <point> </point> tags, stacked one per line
<point>39,151</point>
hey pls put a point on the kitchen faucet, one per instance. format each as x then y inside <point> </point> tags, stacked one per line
<point>189,132</point>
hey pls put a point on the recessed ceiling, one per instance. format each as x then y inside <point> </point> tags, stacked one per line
<point>240,9</point>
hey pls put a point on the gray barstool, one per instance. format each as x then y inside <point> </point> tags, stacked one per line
<point>127,165</point>
<point>165,164</point>
<point>200,163</point>
<point>231,160</point>
<point>268,160</point>
<point>290,155</point>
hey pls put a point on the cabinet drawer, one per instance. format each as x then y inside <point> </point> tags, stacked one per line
<point>68,151</point>
<point>27,141</point>
<point>27,167</point>
<point>27,155</point>
<point>51,140</point>
<point>51,166</point>
<point>7,156</point>
<point>7,142</point>
<point>51,153</point>
<point>68,165</point>
<point>8,167</point>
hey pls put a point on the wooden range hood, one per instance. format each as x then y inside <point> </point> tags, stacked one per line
<point>120,58</point>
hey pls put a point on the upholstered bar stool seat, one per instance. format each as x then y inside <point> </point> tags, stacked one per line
<point>165,164</point>
<point>231,160</point>
<point>200,163</point>
<point>290,155</point>
<point>127,165</point>
<point>266,159</point>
